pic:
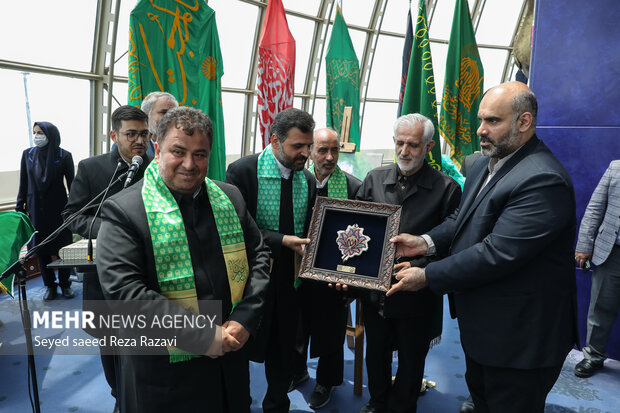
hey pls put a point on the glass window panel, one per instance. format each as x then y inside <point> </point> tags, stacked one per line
<point>233,104</point>
<point>441,22</point>
<point>304,6</point>
<point>236,44</point>
<point>119,94</point>
<point>377,128</point>
<point>498,22</point>
<point>49,101</point>
<point>439,51</point>
<point>394,18</point>
<point>493,61</point>
<point>386,71</point>
<point>319,115</point>
<point>356,12</point>
<point>30,35</point>
<point>302,31</point>
<point>122,39</point>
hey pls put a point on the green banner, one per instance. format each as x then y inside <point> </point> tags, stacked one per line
<point>343,79</point>
<point>420,96</point>
<point>463,87</point>
<point>16,231</point>
<point>174,47</point>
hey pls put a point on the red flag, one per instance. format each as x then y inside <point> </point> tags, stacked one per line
<point>276,67</point>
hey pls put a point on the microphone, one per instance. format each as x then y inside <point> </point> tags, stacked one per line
<point>136,161</point>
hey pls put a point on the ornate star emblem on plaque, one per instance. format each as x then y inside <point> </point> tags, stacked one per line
<point>352,242</point>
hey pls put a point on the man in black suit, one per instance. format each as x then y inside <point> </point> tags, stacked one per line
<point>280,194</point>
<point>407,321</point>
<point>142,230</point>
<point>324,310</point>
<point>510,269</point>
<point>130,134</point>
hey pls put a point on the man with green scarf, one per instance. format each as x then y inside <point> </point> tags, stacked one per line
<point>280,195</point>
<point>324,310</point>
<point>177,238</point>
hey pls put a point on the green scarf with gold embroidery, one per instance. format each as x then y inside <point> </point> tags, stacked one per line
<point>337,184</point>
<point>269,187</point>
<point>173,262</point>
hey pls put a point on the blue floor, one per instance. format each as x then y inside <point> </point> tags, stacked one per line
<point>77,384</point>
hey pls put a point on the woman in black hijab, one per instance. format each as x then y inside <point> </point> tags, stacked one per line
<point>42,195</point>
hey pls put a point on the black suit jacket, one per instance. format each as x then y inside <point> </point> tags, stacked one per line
<point>427,203</point>
<point>243,174</point>
<point>93,176</point>
<point>126,266</point>
<point>323,309</point>
<point>511,267</point>
<point>282,306</point>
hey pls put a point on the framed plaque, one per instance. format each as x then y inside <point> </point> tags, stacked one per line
<point>350,243</point>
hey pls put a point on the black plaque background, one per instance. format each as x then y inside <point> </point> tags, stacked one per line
<point>328,256</point>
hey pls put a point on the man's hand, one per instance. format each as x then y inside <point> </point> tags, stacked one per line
<point>216,349</point>
<point>402,266</point>
<point>339,287</point>
<point>409,245</point>
<point>581,257</point>
<point>238,332</point>
<point>295,243</point>
<point>409,279</point>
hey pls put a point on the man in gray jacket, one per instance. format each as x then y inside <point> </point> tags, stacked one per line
<point>599,242</point>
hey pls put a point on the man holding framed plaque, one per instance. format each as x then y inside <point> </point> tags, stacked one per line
<point>510,271</point>
<point>323,309</point>
<point>408,321</point>
<point>279,193</point>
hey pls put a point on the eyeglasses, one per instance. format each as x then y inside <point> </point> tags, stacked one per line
<point>132,135</point>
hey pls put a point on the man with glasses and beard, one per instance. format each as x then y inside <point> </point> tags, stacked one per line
<point>279,194</point>
<point>510,268</point>
<point>130,134</point>
<point>407,322</point>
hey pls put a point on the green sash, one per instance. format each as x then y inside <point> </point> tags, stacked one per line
<point>173,262</point>
<point>337,184</point>
<point>269,187</point>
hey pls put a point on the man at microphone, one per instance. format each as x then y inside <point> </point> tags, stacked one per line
<point>130,134</point>
<point>175,240</point>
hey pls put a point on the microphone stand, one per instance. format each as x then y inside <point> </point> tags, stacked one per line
<point>18,268</point>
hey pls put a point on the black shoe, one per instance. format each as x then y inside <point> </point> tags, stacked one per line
<point>467,406</point>
<point>320,396</point>
<point>368,408</point>
<point>67,292</point>
<point>298,379</point>
<point>50,294</point>
<point>587,368</point>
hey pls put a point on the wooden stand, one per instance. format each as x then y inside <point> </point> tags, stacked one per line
<point>345,145</point>
<point>355,340</point>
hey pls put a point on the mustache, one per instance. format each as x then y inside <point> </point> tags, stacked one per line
<point>486,138</point>
<point>300,158</point>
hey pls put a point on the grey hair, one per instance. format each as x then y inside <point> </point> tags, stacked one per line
<point>151,98</point>
<point>525,102</point>
<point>411,120</point>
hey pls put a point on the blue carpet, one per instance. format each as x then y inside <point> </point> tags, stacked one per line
<point>77,384</point>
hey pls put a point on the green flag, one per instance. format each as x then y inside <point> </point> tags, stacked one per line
<point>16,231</point>
<point>343,79</point>
<point>174,47</point>
<point>462,89</point>
<point>420,96</point>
